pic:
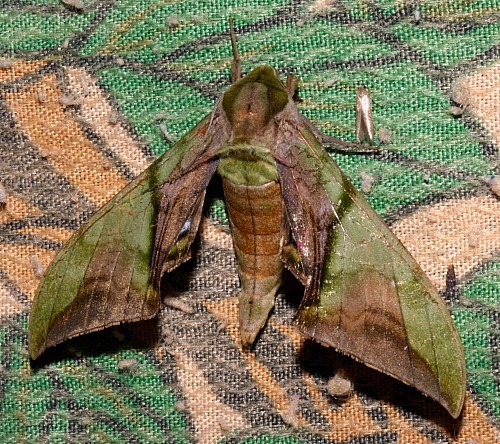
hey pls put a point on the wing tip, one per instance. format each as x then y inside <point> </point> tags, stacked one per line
<point>452,401</point>
<point>37,348</point>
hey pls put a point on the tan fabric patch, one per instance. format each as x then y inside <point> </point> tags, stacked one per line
<point>16,261</point>
<point>213,419</point>
<point>20,68</point>
<point>8,303</point>
<point>55,234</point>
<point>17,208</point>
<point>347,422</point>
<point>54,130</point>
<point>462,232</point>
<point>479,93</point>
<point>215,235</point>
<point>476,427</point>
<point>98,113</point>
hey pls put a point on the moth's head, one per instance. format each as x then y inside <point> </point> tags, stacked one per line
<point>254,100</point>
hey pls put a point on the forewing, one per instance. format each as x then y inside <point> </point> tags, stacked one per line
<point>365,295</point>
<point>103,274</point>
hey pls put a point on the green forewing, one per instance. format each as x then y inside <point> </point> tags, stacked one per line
<point>370,299</point>
<point>102,275</point>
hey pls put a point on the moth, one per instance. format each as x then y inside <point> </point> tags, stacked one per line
<point>290,207</point>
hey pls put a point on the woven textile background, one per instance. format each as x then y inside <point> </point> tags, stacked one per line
<point>91,91</point>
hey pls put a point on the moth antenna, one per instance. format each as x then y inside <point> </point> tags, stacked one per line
<point>236,63</point>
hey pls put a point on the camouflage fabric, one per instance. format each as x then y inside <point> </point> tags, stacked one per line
<point>92,91</point>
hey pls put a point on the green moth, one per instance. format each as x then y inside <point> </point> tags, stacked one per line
<point>290,206</point>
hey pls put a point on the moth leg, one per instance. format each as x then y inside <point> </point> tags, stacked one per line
<point>236,63</point>
<point>290,256</point>
<point>337,144</point>
<point>364,119</point>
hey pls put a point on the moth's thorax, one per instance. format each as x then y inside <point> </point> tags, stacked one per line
<point>251,103</point>
<point>249,117</point>
<point>247,164</point>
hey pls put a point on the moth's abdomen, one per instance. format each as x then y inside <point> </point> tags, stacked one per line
<point>259,230</point>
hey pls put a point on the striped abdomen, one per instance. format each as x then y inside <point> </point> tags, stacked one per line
<point>257,217</point>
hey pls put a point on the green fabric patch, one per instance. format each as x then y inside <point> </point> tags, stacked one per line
<point>477,319</point>
<point>86,396</point>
